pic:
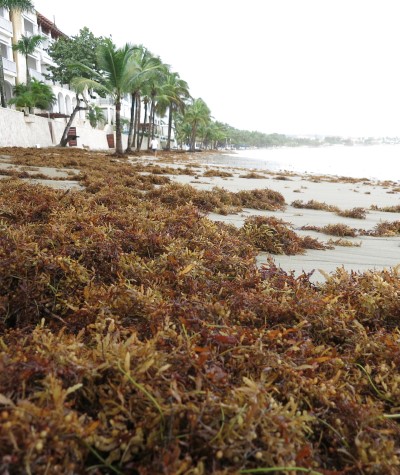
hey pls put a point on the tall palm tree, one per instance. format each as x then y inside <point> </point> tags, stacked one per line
<point>154,86</point>
<point>196,114</point>
<point>117,74</point>
<point>12,5</point>
<point>146,64</point>
<point>183,131</point>
<point>213,135</point>
<point>172,96</point>
<point>26,45</point>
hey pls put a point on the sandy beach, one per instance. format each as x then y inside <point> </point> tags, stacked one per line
<point>368,253</point>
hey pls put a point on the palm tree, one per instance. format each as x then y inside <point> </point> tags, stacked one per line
<point>117,74</point>
<point>196,114</point>
<point>153,90</point>
<point>12,5</point>
<point>173,94</point>
<point>96,116</point>
<point>26,46</point>
<point>36,94</point>
<point>214,135</point>
<point>183,131</point>
<point>145,66</point>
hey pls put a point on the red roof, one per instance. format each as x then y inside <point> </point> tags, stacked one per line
<point>49,25</point>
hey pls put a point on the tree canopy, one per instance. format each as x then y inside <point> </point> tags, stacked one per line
<point>70,53</point>
<point>22,5</point>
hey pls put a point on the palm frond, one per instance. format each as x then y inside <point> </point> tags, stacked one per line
<point>80,84</point>
<point>17,5</point>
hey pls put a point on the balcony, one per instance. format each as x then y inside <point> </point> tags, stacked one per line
<point>102,101</point>
<point>30,29</point>
<point>45,58</point>
<point>9,66</point>
<point>36,74</point>
<point>6,25</point>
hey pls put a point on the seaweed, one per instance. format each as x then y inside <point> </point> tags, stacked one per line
<point>137,336</point>
<point>274,235</point>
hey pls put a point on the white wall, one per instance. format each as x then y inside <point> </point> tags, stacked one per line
<point>17,130</point>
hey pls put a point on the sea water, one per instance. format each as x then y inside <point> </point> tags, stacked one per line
<point>377,162</point>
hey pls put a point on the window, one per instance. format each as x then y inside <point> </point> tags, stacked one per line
<point>29,27</point>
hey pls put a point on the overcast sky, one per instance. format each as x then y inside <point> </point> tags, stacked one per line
<point>286,66</point>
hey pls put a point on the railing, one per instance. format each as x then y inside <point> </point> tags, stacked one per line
<point>45,58</point>
<point>6,24</point>
<point>30,33</point>
<point>9,66</point>
<point>36,74</point>
<point>103,101</point>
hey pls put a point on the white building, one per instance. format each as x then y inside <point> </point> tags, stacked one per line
<point>13,71</point>
<point>7,61</point>
<point>14,64</point>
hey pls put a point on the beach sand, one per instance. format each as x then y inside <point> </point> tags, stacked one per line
<point>374,253</point>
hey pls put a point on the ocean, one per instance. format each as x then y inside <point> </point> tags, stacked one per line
<point>376,162</point>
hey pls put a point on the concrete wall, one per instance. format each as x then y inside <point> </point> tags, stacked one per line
<point>18,130</point>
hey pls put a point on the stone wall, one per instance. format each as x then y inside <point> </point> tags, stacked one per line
<point>19,130</point>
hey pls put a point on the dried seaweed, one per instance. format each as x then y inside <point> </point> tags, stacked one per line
<point>276,236</point>
<point>139,337</point>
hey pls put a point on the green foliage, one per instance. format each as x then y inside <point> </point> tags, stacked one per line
<point>22,5</point>
<point>67,52</point>
<point>35,94</point>
<point>96,116</point>
<point>27,44</point>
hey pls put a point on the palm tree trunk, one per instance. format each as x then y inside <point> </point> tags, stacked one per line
<point>131,124</point>
<point>144,121</point>
<point>139,111</point>
<point>193,138</point>
<point>151,123</point>
<point>168,147</point>
<point>136,121</point>
<point>28,79</point>
<point>118,133</point>
<point>64,138</point>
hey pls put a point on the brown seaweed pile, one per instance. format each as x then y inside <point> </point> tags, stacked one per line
<point>138,337</point>
<point>273,235</point>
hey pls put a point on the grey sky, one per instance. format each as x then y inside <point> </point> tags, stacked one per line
<point>287,66</point>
